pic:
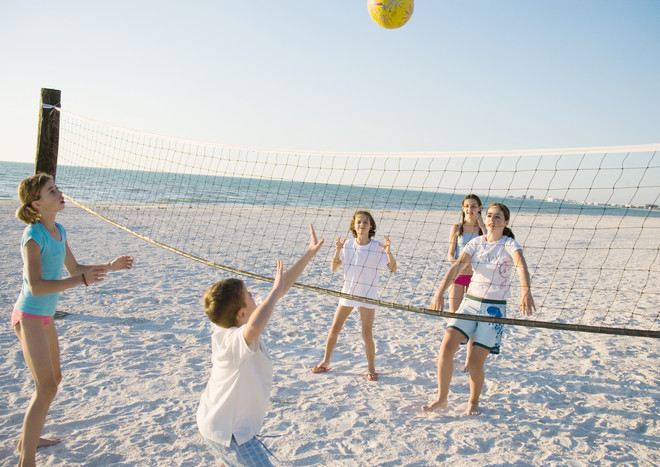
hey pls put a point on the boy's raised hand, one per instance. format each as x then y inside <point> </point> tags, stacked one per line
<point>290,276</point>
<point>277,280</point>
<point>314,244</point>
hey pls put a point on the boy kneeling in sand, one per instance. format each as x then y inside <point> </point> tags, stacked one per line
<point>233,405</point>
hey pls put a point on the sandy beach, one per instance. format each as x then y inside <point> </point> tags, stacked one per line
<point>136,356</point>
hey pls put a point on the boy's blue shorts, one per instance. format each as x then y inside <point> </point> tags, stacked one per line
<point>251,454</point>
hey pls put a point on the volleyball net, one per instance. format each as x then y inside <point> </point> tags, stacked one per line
<point>587,219</point>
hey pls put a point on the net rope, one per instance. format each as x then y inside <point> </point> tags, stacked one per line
<point>587,218</point>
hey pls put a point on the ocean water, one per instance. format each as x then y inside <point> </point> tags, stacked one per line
<point>91,184</point>
<point>11,174</point>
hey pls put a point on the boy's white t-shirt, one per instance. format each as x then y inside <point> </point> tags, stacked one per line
<point>492,263</point>
<point>236,397</point>
<point>361,264</point>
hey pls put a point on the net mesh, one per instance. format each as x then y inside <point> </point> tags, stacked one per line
<point>587,219</point>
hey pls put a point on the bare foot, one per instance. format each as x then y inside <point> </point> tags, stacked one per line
<point>437,405</point>
<point>42,442</point>
<point>473,409</point>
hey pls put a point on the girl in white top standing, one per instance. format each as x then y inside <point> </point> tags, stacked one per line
<point>362,258</point>
<point>493,257</point>
<point>470,226</point>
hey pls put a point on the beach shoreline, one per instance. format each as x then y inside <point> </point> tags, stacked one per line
<point>136,356</point>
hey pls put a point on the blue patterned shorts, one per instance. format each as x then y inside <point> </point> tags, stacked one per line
<point>486,335</point>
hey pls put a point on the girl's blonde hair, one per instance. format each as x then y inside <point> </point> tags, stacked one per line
<point>28,192</point>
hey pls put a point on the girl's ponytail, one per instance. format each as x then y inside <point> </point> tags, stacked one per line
<point>508,232</point>
<point>28,192</point>
<point>459,233</point>
<point>27,214</point>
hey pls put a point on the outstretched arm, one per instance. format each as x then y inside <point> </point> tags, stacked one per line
<point>40,286</point>
<point>95,272</point>
<point>261,315</point>
<point>438,300</point>
<point>526,300</point>
<point>75,268</point>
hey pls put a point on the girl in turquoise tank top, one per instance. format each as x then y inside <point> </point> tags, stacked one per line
<point>470,226</point>
<point>45,253</point>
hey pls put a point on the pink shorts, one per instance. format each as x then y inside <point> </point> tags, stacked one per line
<point>463,280</point>
<point>16,316</point>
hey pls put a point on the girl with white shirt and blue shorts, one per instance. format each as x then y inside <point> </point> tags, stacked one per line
<point>493,258</point>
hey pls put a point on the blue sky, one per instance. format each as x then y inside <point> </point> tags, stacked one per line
<point>322,76</point>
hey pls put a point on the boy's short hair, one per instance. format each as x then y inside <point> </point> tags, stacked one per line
<point>223,300</point>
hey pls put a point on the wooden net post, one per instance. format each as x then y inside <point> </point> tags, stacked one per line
<point>49,132</point>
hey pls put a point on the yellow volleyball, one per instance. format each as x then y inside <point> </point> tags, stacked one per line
<point>390,14</point>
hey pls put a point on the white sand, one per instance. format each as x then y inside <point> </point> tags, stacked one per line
<point>135,357</point>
